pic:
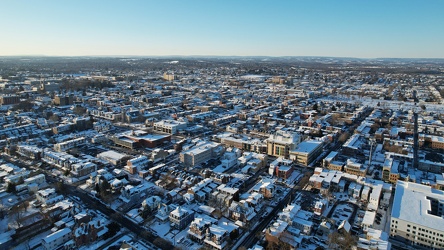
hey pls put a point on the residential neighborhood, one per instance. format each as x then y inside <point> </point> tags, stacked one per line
<point>221,153</point>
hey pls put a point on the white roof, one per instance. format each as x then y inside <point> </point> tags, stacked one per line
<point>113,155</point>
<point>307,146</point>
<point>411,204</point>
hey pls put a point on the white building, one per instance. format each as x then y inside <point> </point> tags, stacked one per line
<point>200,153</point>
<point>169,126</point>
<point>56,239</point>
<point>374,197</point>
<point>38,179</point>
<point>418,215</point>
<point>136,164</point>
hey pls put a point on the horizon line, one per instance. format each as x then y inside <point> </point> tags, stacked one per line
<point>221,56</point>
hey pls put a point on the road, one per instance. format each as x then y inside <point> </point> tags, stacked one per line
<point>113,214</point>
<point>97,205</point>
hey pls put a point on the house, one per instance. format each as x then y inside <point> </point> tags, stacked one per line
<point>180,218</point>
<point>241,212</point>
<point>216,237</point>
<point>198,228</point>
<point>56,239</point>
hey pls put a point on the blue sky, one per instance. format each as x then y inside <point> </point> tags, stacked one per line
<point>365,29</point>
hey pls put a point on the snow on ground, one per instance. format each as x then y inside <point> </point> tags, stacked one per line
<point>134,216</point>
<point>161,228</point>
<point>119,241</point>
<point>4,225</point>
<point>34,241</point>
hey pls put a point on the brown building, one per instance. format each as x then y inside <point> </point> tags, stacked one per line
<point>63,100</point>
<point>136,139</point>
<point>9,99</point>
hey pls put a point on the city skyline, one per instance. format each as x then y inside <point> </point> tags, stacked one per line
<point>395,29</point>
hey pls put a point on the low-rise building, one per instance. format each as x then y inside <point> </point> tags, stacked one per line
<point>56,239</point>
<point>169,126</point>
<point>180,218</point>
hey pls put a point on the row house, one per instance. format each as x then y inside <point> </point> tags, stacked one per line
<point>67,145</point>
<point>30,152</point>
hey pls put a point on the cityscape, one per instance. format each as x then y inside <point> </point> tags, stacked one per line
<point>222,125</point>
<point>221,153</point>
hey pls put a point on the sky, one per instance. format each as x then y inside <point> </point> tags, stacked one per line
<point>364,29</point>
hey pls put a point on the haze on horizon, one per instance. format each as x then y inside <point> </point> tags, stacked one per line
<point>395,29</point>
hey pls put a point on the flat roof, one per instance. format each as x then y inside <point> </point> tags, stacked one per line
<point>411,204</point>
<point>307,146</point>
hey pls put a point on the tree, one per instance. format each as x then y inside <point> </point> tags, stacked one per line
<point>54,118</point>
<point>113,228</point>
<point>315,106</point>
<point>218,204</point>
<point>79,110</point>
<point>145,212</point>
<point>66,172</point>
<point>17,214</point>
<point>60,187</point>
<point>11,187</point>
<point>343,240</point>
<point>344,137</point>
<point>24,105</point>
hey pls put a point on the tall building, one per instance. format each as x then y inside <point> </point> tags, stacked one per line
<point>281,143</point>
<point>418,216</point>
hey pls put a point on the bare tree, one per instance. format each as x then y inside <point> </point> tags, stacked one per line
<point>343,240</point>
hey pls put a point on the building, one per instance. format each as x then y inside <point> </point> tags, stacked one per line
<point>281,168</point>
<point>216,237</point>
<point>37,179</point>
<point>139,138</point>
<point>180,218</point>
<point>199,154</point>
<point>134,165</point>
<point>281,143</point>
<point>353,167</point>
<point>198,229</point>
<point>438,142</point>
<point>390,170</point>
<point>114,158</point>
<point>169,126</point>
<point>67,145</point>
<point>56,239</point>
<point>417,215</point>
<point>9,99</point>
<point>63,100</point>
<point>82,169</point>
<point>169,77</point>
<point>306,152</point>
<point>247,144</point>
<point>30,152</point>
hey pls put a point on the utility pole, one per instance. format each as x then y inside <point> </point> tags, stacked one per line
<point>372,142</point>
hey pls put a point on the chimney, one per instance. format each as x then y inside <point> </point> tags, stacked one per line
<point>415,141</point>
